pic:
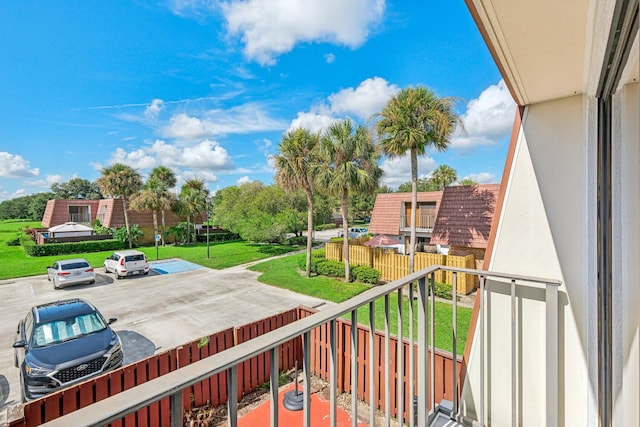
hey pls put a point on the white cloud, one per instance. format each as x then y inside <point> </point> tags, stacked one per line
<point>247,118</point>
<point>330,58</point>
<point>243,180</point>
<point>397,170</point>
<point>15,166</point>
<point>153,109</point>
<point>269,28</point>
<point>184,127</point>
<point>483,177</point>
<point>45,183</point>
<point>364,101</point>
<point>312,121</point>
<point>488,118</point>
<point>206,154</point>
<point>367,99</point>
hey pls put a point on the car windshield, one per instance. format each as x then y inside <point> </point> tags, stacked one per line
<point>74,265</point>
<point>67,329</point>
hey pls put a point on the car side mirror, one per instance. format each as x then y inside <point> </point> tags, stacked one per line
<point>112,320</point>
<point>20,344</point>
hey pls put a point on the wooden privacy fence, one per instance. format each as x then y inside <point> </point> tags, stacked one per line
<point>393,266</point>
<point>212,390</point>
<point>251,374</point>
<point>320,356</point>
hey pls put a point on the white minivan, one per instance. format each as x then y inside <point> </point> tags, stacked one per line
<point>126,263</point>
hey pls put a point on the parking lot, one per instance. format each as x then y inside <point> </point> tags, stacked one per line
<point>155,312</point>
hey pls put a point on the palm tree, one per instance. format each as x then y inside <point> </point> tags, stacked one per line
<point>297,167</point>
<point>444,176</point>
<point>149,199</point>
<point>413,120</point>
<point>120,181</point>
<point>193,200</point>
<point>164,179</point>
<point>351,166</point>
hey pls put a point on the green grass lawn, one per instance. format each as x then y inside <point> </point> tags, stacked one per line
<point>283,273</point>
<point>222,255</point>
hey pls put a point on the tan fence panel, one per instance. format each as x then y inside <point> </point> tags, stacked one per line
<point>424,260</point>
<point>334,251</point>
<point>360,255</point>
<point>466,282</point>
<point>390,265</point>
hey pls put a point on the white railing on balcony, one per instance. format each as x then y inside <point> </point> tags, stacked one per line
<point>80,218</point>
<point>172,384</point>
<point>423,222</point>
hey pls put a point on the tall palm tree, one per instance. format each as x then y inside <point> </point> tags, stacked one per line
<point>120,181</point>
<point>193,200</point>
<point>149,199</point>
<point>351,166</point>
<point>164,179</point>
<point>412,121</point>
<point>297,167</point>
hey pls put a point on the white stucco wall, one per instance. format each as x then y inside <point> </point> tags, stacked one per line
<point>543,232</point>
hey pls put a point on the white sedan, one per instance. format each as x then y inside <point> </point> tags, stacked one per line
<point>70,272</point>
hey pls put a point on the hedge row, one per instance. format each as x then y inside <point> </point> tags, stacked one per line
<point>217,237</point>
<point>32,249</point>
<point>322,267</point>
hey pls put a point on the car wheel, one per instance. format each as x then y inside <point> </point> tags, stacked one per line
<point>55,285</point>
<point>145,273</point>
<point>92,282</point>
<point>106,269</point>
<point>118,276</point>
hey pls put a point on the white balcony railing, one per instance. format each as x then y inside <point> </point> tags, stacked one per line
<point>421,364</point>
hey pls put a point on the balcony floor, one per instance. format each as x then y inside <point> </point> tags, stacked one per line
<point>259,417</point>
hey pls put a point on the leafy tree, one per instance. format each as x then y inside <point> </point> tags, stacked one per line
<point>76,188</point>
<point>120,181</point>
<point>260,213</point>
<point>163,179</point>
<point>444,176</point>
<point>37,205</point>
<point>351,167</point>
<point>423,184</point>
<point>193,201</point>
<point>297,166</point>
<point>413,120</point>
<point>29,207</point>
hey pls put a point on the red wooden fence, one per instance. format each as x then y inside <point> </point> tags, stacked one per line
<point>320,354</point>
<point>251,374</point>
<point>212,390</point>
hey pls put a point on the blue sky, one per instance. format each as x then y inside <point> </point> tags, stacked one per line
<point>208,87</point>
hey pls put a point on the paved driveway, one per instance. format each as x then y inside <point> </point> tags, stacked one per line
<point>155,312</point>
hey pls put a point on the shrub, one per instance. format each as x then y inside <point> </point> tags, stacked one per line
<point>365,274</point>
<point>443,290</point>
<point>15,241</point>
<point>218,237</point>
<point>134,230</point>
<point>330,268</point>
<point>297,240</point>
<point>32,249</point>
<point>321,227</point>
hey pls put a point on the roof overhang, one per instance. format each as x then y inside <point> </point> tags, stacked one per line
<point>545,49</point>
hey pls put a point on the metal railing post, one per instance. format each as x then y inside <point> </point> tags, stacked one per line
<point>306,375</point>
<point>400,361</point>
<point>482,348</point>
<point>176,403</point>
<point>333,357</point>
<point>372,368</point>
<point>514,370</point>
<point>354,368</point>
<point>387,363</point>
<point>274,376</point>
<point>551,295</point>
<point>423,391</point>
<point>454,330</point>
<point>232,396</point>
